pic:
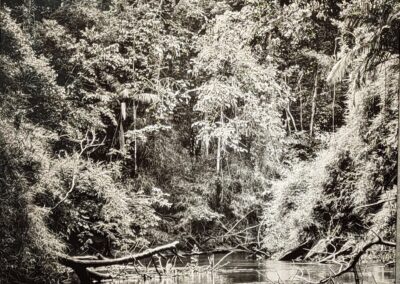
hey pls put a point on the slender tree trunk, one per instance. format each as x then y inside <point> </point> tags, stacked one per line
<point>135,140</point>
<point>288,123</point>
<point>333,107</point>
<point>398,181</point>
<point>219,147</point>
<point>121,128</point>
<point>298,90</point>
<point>121,137</point>
<point>287,113</point>
<point>291,117</point>
<point>218,155</point>
<point>219,193</point>
<point>207,144</point>
<point>301,113</point>
<point>384,96</point>
<point>313,105</point>
<point>334,94</point>
<point>135,106</point>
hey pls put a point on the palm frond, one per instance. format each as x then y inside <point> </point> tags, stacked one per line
<point>339,69</point>
<point>148,98</point>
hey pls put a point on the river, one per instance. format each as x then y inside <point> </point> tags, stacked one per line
<point>239,269</point>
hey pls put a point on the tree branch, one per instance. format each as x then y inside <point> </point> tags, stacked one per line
<point>81,265</point>
<point>354,260</point>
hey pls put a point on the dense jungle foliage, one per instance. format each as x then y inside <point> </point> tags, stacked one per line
<point>240,123</point>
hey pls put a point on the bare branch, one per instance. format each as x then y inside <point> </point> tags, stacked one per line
<point>90,144</point>
<point>376,203</point>
<point>354,260</point>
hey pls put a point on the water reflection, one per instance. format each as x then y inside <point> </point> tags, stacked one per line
<point>240,269</point>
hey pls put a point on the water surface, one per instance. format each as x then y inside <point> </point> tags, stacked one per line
<point>240,269</point>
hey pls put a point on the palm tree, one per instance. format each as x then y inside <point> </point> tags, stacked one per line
<point>137,98</point>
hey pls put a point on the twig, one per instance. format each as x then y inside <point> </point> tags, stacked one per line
<point>155,266</point>
<point>376,203</point>
<point>353,262</point>
<point>225,256</point>
<point>90,143</point>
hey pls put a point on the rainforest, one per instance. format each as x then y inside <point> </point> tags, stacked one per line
<point>134,127</point>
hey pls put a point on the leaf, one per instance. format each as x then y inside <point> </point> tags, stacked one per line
<point>148,98</point>
<point>339,69</point>
<point>123,110</point>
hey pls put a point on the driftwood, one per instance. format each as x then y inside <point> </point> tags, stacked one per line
<point>347,248</point>
<point>210,252</point>
<point>82,266</point>
<point>351,265</point>
<point>326,249</point>
<point>321,247</point>
<point>240,239</point>
<point>296,252</point>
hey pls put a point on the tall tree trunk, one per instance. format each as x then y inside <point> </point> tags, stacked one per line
<point>207,144</point>
<point>299,92</point>
<point>333,107</point>
<point>121,137</point>
<point>334,93</point>
<point>288,123</point>
<point>313,105</point>
<point>301,113</point>
<point>397,259</point>
<point>219,146</point>
<point>384,96</point>
<point>135,139</point>
<point>218,155</point>
<point>219,194</point>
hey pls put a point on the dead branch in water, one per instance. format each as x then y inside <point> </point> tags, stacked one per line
<point>81,265</point>
<point>351,265</point>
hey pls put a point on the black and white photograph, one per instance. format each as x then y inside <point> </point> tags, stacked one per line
<point>200,141</point>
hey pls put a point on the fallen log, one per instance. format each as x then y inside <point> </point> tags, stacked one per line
<point>296,252</point>
<point>81,265</point>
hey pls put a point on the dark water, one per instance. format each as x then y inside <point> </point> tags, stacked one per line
<point>239,269</point>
